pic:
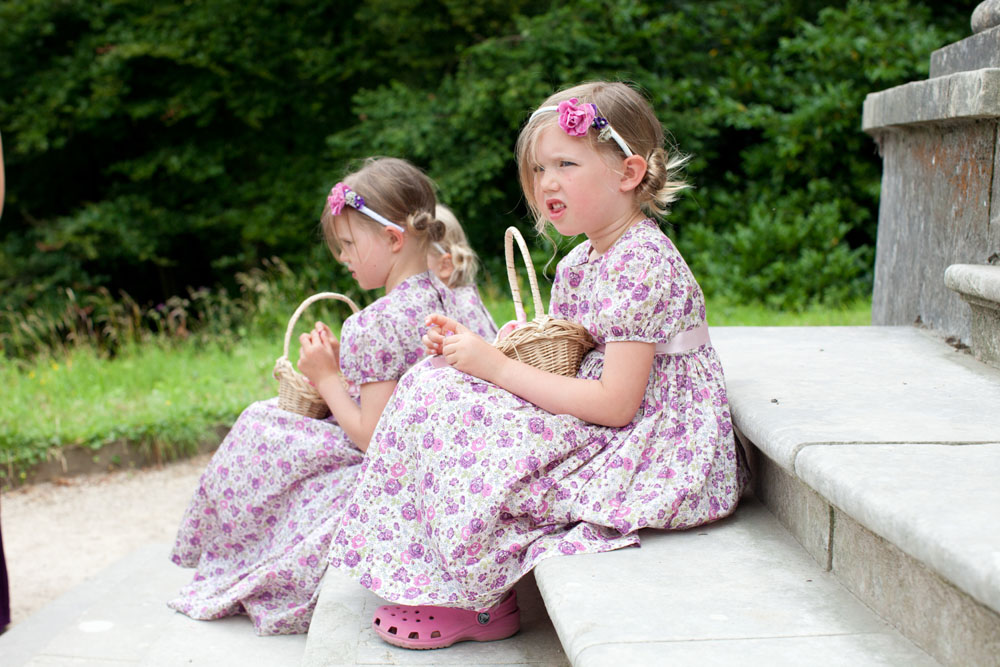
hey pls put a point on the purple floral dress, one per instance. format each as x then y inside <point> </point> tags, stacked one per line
<point>466,487</point>
<point>259,526</point>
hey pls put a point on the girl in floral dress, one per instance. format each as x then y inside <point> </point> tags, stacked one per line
<point>483,466</point>
<point>259,526</point>
<point>454,261</point>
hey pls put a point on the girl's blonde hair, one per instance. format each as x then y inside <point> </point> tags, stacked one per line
<point>463,257</point>
<point>398,191</point>
<point>630,115</point>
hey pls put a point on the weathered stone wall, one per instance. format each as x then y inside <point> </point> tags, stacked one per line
<point>940,201</point>
<point>934,212</point>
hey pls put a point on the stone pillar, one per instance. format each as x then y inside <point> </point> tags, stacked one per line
<point>940,202</point>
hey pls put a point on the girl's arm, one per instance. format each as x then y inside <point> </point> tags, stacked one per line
<point>611,401</point>
<point>358,423</point>
<point>320,362</point>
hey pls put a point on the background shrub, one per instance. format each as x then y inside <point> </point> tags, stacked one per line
<point>163,148</point>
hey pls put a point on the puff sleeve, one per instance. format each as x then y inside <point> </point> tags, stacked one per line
<point>635,299</point>
<point>379,344</point>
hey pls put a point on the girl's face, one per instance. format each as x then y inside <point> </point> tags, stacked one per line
<point>574,187</point>
<point>440,265</point>
<point>366,253</point>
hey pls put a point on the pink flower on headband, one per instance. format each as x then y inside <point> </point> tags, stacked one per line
<point>337,198</point>
<point>340,195</point>
<point>575,119</point>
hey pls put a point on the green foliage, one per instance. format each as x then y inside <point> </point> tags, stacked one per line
<point>107,324</point>
<point>157,147</point>
<point>798,224</point>
<point>766,97</point>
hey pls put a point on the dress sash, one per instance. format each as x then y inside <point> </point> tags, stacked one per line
<point>683,342</point>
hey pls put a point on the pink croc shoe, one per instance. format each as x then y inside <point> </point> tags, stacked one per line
<point>425,627</point>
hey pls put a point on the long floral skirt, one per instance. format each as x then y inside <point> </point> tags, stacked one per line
<point>259,526</point>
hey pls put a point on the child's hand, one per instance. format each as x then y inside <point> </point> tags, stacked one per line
<point>319,354</point>
<point>462,348</point>
<point>434,338</point>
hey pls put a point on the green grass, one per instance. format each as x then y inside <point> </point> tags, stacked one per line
<point>167,396</point>
<point>725,314</point>
<point>173,395</point>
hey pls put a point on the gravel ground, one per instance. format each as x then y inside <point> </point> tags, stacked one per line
<point>58,534</point>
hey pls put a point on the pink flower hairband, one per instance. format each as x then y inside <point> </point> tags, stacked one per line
<point>576,118</point>
<point>340,195</point>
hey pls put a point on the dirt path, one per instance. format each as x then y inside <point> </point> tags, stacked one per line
<point>57,535</point>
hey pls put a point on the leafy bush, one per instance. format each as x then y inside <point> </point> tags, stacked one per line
<point>106,323</point>
<point>153,147</point>
<point>766,97</point>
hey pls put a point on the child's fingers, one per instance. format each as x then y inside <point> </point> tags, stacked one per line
<point>432,341</point>
<point>444,323</point>
<point>449,349</point>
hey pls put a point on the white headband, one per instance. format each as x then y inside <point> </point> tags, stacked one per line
<point>341,194</point>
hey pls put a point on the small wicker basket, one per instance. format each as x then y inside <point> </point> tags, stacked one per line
<point>295,392</point>
<point>553,345</point>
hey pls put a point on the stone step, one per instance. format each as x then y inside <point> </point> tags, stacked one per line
<point>739,591</point>
<point>341,633</point>
<point>979,286</point>
<point>878,448</point>
<point>120,618</point>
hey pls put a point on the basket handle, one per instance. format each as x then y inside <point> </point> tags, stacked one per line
<point>515,291</point>
<point>305,304</point>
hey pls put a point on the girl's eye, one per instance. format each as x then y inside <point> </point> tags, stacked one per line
<point>538,169</point>
<point>566,163</point>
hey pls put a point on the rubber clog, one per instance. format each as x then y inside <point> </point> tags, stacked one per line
<point>425,627</point>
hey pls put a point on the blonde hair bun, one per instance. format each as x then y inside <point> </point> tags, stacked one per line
<point>454,241</point>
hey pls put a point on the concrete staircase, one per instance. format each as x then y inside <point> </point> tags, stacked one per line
<point>120,618</point>
<point>878,448</point>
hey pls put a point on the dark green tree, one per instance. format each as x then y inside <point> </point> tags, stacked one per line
<point>152,146</point>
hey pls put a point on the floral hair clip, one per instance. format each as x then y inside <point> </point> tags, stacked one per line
<point>576,118</point>
<point>340,195</point>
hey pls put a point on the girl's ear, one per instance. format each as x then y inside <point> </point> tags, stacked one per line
<point>396,239</point>
<point>633,173</point>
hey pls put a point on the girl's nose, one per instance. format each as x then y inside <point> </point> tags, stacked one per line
<point>548,182</point>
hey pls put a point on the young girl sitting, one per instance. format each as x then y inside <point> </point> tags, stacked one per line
<point>486,466</point>
<point>259,526</point>
<point>454,261</point>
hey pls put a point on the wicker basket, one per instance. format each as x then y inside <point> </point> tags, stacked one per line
<point>553,345</point>
<point>295,392</point>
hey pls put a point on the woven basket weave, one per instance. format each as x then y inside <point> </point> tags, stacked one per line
<point>295,392</point>
<point>553,345</point>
